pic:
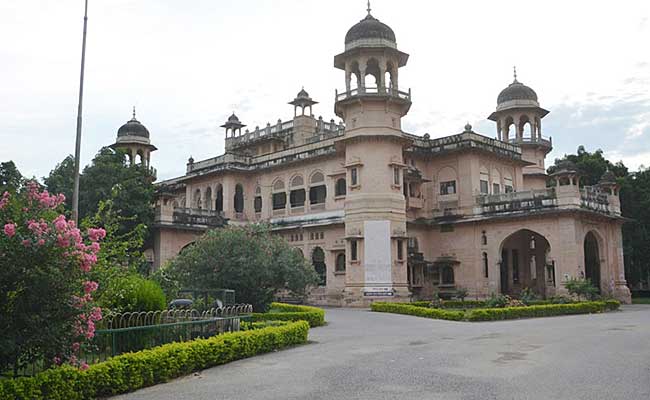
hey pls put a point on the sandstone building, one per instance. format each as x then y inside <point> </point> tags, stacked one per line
<point>386,214</point>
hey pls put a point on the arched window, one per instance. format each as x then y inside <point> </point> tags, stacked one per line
<point>197,199</point>
<point>219,199</point>
<point>318,261</point>
<point>341,187</point>
<point>297,194</point>
<point>279,195</point>
<point>208,198</point>
<point>485,264</point>
<point>447,275</point>
<point>340,262</point>
<point>317,189</point>
<point>239,198</point>
<point>257,201</point>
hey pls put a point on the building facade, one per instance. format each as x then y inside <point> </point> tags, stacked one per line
<point>388,215</point>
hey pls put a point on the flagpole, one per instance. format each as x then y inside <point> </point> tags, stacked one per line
<point>77,151</point>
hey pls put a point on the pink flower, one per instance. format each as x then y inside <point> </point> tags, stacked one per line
<point>60,223</point>
<point>57,360</point>
<point>76,346</point>
<point>96,234</point>
<point>41,242</point>
<point>4,200</point>
<point>96,314</point>
<point>90,286</point>
<point>10,229</point>
<point>26,243</point>
<point>83,366</point>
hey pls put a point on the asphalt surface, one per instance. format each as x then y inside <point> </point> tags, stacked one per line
<point>364,355</point>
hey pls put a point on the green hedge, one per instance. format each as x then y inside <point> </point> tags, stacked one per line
<point>402,308</point>
<point>449,303</point>
<point>494,314</point>
<point>132,371</point>
<point>290,312</point>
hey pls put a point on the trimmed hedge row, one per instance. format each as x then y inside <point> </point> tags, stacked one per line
<point>419,311</point>
<point>131,371</point>
<point>450,303</point>
<point>290,312</point>
<point>495,314</point>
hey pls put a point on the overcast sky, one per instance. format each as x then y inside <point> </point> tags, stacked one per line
<point>186,65</point>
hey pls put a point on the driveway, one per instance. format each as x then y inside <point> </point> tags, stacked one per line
<point>364,355</point>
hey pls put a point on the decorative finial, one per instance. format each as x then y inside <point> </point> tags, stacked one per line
<point>514,70</point>
<point>468,127</point>
<point>368,9</point>
<point>133,112</point>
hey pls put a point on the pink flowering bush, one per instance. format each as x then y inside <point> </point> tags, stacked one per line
<point>46,298</point>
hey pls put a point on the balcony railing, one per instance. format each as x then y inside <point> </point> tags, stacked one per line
<point>197,216</point>
<point>373,91</point>
<point>594,199</point>
<point>532,140</point>
<point>516,201</point>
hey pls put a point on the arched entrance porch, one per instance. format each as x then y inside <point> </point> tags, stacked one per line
<point>592,259</point>
<point>524,264</point>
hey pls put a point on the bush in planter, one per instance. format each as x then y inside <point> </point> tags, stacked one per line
<point>132,293</point>
<point>289,312</point>
<point>401,308</point>
<point>582,288</point>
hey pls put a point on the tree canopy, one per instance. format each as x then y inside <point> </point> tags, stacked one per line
<point>251,260</point>
<point>10,178</point>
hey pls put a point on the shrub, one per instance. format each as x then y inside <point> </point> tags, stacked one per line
<point>132,371</point>
<point>132,293</point>
<point>528,296</point>
<point>400,308</point>
<point>46,311</point>
<point>461,293</point>
<point>493,314</point>
<point>582,288</point>
<point>289,312</point>
<point>496,300</point>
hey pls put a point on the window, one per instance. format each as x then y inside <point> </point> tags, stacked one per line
<point>400,249</point>
<point>485,265</point>
<point>484,186</point>
<point>340,188</point>
<point>448,187</point>
<point>219,200</point>
<point>279,201</point>
<point>483,238</point>
<point>446,228</point>
<point>354,256</point>
<point>354,178</point>
<point>507,184</point>
<point>340,263</point>
<point>317,194</point>
<point>239,198</point>
<point>297,198</point>
<point>496,188</point>
<point>447,275</point>
<point>257,204</point>
<point>318,261</point>
<point>515,266</point>
<point>396,179</point>
<point>508,189</point>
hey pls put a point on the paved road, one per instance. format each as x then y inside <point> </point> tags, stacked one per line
<point>364,355</point>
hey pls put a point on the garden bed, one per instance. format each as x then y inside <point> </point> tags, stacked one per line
<point>495,314</point>
<point>131,371</point>
<point>290,312</point>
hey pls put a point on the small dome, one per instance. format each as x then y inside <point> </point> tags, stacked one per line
<point>233,118</point>
<point>516,91</point>
<point>369,28</point>
<point>133,128</point>
<point>468,127</point>
<point>302,94</point>
<point>608,177</point>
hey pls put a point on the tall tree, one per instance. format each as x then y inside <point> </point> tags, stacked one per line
<point>61,180</point>
<point>10,178</point>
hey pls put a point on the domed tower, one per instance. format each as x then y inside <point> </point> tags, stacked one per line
<point>372,107</point>
<point>133,137</point>
<point>519,120</point>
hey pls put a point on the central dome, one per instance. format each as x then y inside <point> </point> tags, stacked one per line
<point>516,91</point>
<point>369,28</point>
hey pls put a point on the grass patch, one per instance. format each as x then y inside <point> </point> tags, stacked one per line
<point>640,300</point>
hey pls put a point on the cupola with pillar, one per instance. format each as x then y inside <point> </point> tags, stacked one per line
<point>518,118</point>
<point>133,138</point>
<point>375,216</point>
